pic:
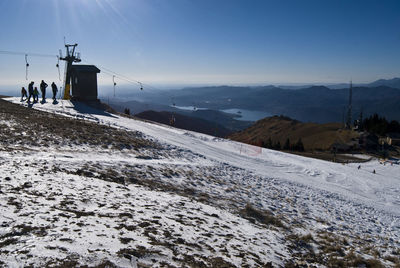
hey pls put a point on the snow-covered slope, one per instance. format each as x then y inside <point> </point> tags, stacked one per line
<point>191,203</point>
<point>380,190</point>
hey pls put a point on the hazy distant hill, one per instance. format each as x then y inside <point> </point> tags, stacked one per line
<point>186,122</point>
<point>394,83</point>
<point>314,136</point>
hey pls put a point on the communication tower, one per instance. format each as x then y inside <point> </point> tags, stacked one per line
<point>349,108</point>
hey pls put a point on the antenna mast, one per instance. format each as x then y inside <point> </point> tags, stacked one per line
<point>69,58</point>
<point>348,119</point>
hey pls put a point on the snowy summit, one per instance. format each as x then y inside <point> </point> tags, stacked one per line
<point>80,186</point>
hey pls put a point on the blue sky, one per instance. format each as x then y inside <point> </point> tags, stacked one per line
<point>181,42</point>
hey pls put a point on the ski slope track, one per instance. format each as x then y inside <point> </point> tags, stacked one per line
<point>311,197</point>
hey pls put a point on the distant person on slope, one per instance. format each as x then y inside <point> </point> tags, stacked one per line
<point>30,90</point>
<point>24,94</point>
<point>35,95</point>
<point>54,88</point>
<point>43,86</point>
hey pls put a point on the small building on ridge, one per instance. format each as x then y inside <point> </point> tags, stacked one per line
<point>84,82</point>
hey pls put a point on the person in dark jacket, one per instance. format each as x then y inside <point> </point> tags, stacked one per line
<point>24,94</point>
<point>55,89</point>
<point>43,86</point>
<point>35,95</point>
<point>30,91</point>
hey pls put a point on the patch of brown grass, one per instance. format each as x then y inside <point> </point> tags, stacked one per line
<point>262,216</point>
<point>33,128</point>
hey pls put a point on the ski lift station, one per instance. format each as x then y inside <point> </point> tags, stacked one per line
<point>84,82</point>
<point>82,78</point>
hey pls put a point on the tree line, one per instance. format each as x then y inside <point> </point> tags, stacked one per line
<point>379,125</point>
<point>298,146</point>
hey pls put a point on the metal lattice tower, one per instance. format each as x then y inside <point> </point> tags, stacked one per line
<point>348,118</point>
<point>69,58</point>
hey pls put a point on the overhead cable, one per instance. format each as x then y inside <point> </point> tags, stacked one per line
<point>27,53</point>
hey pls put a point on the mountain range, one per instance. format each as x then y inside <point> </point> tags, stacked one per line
<point>318,104</point>
<point>314,104</point>
<point>393,83</point>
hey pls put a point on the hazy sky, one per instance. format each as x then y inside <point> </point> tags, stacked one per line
<point>206,41</point>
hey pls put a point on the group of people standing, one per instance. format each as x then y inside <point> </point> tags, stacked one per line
<point>33,92</point>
